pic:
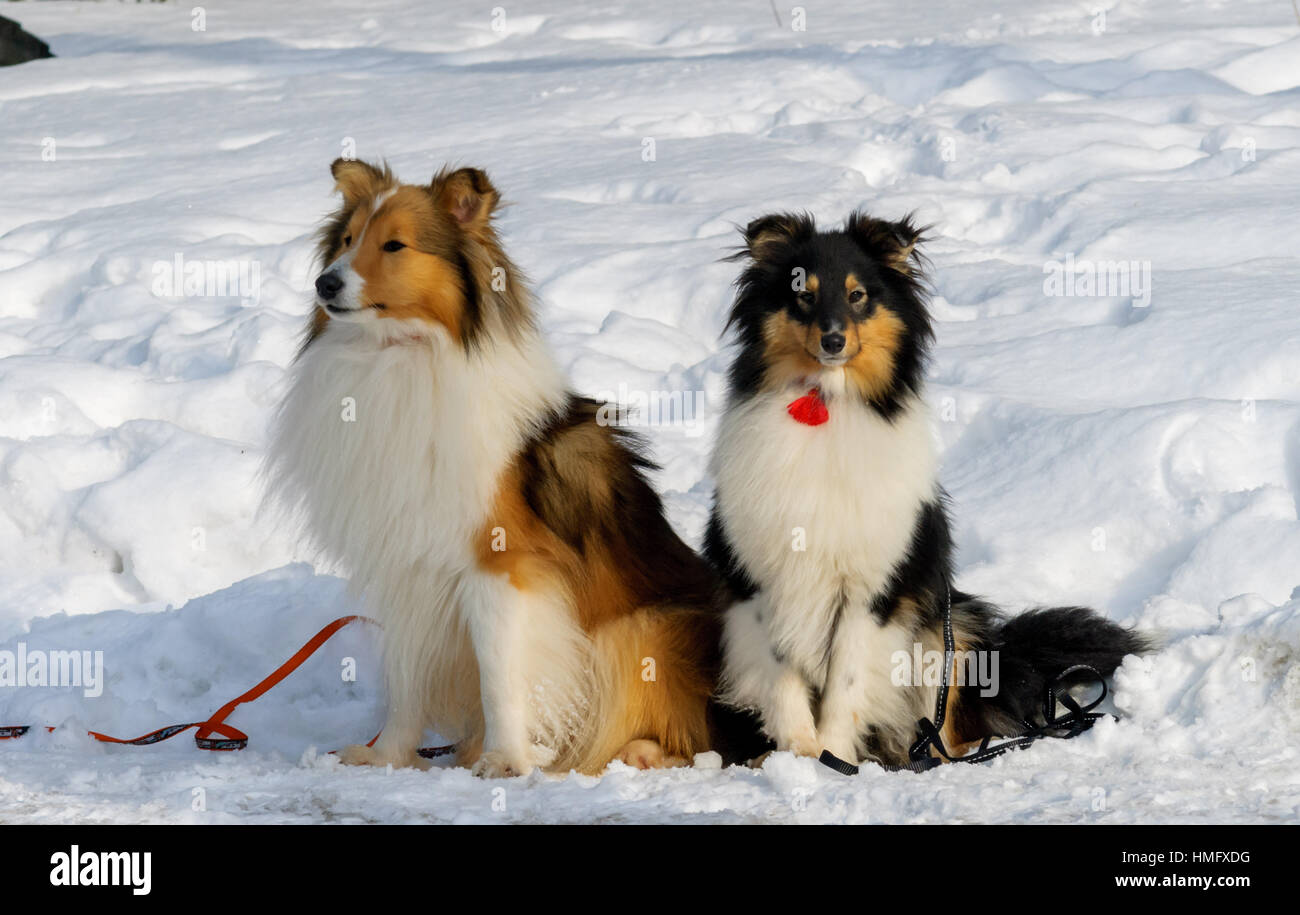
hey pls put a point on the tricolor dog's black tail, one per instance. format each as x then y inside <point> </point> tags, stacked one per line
<point>1033,649</point>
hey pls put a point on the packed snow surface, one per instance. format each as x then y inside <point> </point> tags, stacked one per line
<point>1137,450</point>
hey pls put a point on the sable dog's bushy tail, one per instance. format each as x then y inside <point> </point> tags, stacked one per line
<point>1034,648</point>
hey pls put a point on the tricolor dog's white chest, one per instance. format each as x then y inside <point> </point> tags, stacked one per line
<point>820,515</point>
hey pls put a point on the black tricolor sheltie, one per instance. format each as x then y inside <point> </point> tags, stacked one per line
<point>829,524</point>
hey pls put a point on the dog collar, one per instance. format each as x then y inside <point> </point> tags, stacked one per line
<point>809,409</point>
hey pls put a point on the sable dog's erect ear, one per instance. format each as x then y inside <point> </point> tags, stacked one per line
<point>767,234</point>
<point>357,180</point>
<point>468,196</point>
<point>892,243</point>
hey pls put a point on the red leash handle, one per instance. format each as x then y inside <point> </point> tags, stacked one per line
<point>236,739</point>
<point>231,737</point>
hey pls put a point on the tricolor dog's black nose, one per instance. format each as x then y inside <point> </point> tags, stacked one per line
<point>831,343</point>
<point>328,285</point>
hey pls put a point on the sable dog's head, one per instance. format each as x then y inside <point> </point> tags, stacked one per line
<point>424,257</point>
<point>813,303</point>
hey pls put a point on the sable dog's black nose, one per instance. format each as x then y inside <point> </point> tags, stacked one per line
<point>329,284</point>
<point>831,343</point>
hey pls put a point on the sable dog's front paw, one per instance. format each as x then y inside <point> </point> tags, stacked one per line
<point>496,764</point>
<point>359,755</point>
<point>647,754</point>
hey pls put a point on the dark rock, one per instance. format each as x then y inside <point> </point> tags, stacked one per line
<point>17,46</point>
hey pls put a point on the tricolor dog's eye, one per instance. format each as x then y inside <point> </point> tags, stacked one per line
<point>806,299</point>
<point>393,245</point>
<point>857,296</point>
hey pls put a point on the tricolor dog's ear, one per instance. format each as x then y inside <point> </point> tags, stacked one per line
<point>357,180</point>
<point>468,196</point>
<point>767,235</point>
<point>892,243</point>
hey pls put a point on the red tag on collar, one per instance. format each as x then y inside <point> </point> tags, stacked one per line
<point>809,409</point>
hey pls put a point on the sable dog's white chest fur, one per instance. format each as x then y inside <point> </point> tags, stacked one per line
<point>393,454</point>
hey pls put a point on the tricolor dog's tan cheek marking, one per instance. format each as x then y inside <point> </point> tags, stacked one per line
<point>871,369</point>
<point>853,336</point>
<point>812,340</point>
<point>786,352</point>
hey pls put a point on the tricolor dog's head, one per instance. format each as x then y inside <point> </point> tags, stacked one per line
<point>843,310</point>
<point>410,259</point>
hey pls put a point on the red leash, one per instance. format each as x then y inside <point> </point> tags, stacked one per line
<point>231,738</point>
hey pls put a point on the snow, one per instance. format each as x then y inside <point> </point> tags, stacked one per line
<point>1140,456</point>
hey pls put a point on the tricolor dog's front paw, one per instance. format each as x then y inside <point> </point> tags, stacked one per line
<point>803,742</point>
<point>497,764</point>
<point>843,747</point>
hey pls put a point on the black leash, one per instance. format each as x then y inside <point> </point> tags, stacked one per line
<point>1076,720</point>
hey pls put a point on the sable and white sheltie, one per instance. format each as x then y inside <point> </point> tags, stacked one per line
<point>537,607</point>
<point>829,524</point>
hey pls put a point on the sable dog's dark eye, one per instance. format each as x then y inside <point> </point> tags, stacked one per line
<point>394,245</point>
<point>347,241</point>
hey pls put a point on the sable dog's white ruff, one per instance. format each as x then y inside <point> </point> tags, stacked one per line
<point>397,497</point>
<point>855,487</point>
